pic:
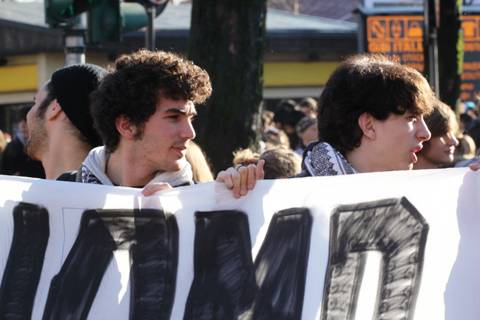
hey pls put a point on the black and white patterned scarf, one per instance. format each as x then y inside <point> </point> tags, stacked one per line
<point>93,171</point>
<point>321,159</point>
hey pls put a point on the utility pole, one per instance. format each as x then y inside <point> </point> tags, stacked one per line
<point>150,34</point>
<point>75,41</point>
<point>450,51</point>
<point>152,8</point>
<point>233,57</point>
<point>431,23</point>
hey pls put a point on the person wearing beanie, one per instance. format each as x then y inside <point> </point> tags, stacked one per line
<point>60,126</point>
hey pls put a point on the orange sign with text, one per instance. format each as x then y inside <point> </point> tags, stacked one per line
<point>400,37</point>
<point>470,86</point>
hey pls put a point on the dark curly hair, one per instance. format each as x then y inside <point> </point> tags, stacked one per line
<point>135,86</point>
<point>368,83</point>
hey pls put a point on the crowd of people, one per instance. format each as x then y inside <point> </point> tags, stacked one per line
<point>132,126</point>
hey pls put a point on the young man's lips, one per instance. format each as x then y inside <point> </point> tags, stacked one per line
<point>417,149</point>
<point>180,149</point>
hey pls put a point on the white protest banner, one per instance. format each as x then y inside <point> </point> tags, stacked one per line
<point>393,245</point>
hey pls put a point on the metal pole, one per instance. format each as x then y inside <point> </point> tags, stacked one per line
<point>431,43</point>
<point>74,47</point>
<point>75,42</point>
<point>361,18</point>
<point>150,35</point>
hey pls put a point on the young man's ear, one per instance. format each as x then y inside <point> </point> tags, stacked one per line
<point>366,122</point>
<point>53,110</point>
<point>126,129</point>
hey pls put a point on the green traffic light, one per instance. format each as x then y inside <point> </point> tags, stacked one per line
<point>107,19</point>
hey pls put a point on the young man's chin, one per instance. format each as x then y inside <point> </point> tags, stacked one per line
<point>176,165</point>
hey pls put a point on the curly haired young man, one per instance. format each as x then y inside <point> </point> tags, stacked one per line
<point>143,111</point>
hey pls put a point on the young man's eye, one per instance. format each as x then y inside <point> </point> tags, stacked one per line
<point>412,118</point>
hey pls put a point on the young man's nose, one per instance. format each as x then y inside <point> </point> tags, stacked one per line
<point>423,133</point>
<point>188,132</point>
<point>452,140</point>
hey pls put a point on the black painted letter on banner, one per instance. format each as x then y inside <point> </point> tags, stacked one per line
<point>153,241</point>
<point>396,229</point>
<point>25,261</point>
<point>154,267</point>
<point>227,285</point>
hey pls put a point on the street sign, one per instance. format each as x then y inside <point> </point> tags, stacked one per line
<point>471,65</point>
<point>370,4</point>
<point>401,38</point>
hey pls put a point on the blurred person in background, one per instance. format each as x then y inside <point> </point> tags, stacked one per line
<point>267,120</point>
<point>273,137</point>
<point>470,121</point>
<point>308,106</point>
<point>439,151</point>
<point>307,131</point>
<point>281,163</point>
<point>245,157</point>
<point>286,118</point>
<point>15,160</point>
<point>468,114</point>
<point>278,162</point>
<point>471,109</point>
<point>465,152</point>
<point>4,140</point>
<point>198,161</point>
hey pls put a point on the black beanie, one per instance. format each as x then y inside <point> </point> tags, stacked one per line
<point>71,87</point>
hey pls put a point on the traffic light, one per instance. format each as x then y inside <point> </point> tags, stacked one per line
<point>104,22</point>
<point>108,19</point>
<point>134,16</point>
<point>149,2</point>
<point>61,12</point>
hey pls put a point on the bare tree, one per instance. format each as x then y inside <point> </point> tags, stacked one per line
<point>450,56</point>
<point>227,39</point>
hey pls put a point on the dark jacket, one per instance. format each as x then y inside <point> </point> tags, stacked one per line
<point>16,162</point>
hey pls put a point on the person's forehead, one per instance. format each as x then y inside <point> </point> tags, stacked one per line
<point>185,106</point>
<point>419,110</point>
